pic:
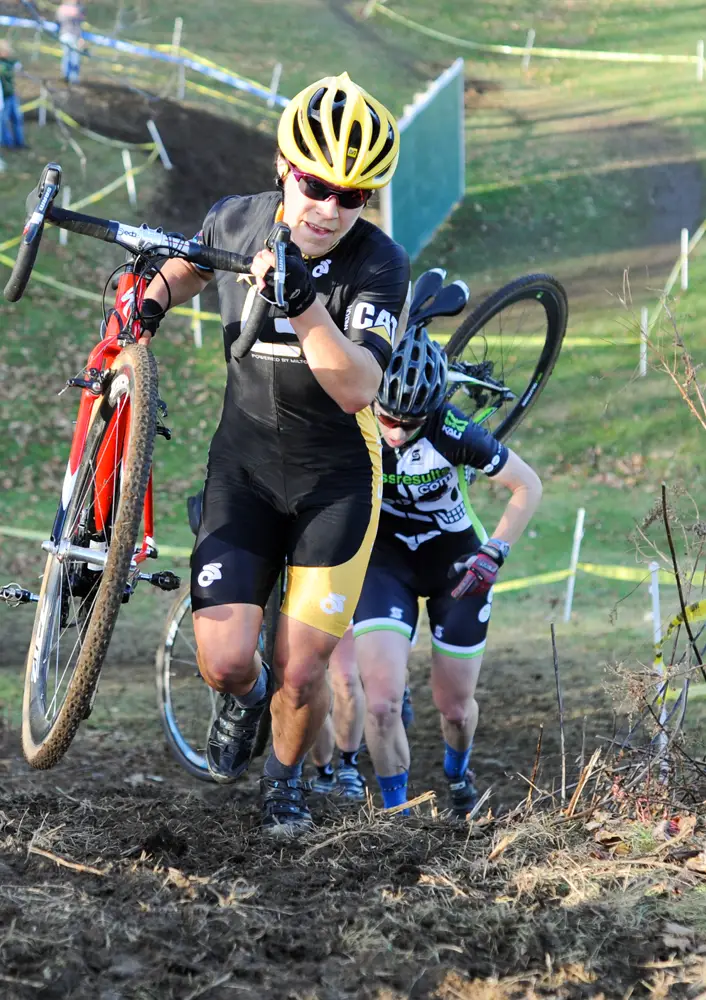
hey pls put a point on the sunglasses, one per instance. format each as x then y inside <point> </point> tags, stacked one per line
<point>312,187</point>
<point>412,423</point>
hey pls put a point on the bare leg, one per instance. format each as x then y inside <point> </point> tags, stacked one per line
<point>348,698</point>
<point>382,661</point>
<point>324,744</point>
<point>301,701</point>
<point>227,637</point>
<point>453,685</point>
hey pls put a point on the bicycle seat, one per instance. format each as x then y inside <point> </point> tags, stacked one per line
<point>448,300</point>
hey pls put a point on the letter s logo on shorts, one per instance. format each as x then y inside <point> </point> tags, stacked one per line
<point>210,572</point>
<point>333,604</point>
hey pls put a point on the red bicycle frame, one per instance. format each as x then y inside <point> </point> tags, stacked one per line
<point>130,293</point>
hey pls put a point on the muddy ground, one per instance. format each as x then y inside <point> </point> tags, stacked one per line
<point>121,877</point>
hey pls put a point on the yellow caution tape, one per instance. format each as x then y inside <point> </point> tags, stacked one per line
<point>10,243</point>
<point>531,581</point>
<point>549,53</point>
<point>536,340</point>
<point>201,89</point>
<point>694,613</point>
<point>45,279</point>
<point>31,105</point>
<point>118,182</point>
<point>196,314</point>
<point>673,275</point>
<point>118,143</point>
<point>38,536</point>
<point>89,200</point>
<point>626,573</point>
<point>165,47</point>
<point>47,50</point>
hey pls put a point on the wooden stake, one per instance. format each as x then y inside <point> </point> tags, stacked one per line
<point>561,716</point>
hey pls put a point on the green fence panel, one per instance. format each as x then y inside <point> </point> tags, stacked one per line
<point>430,177</point>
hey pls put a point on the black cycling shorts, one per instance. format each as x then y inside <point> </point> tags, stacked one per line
<point>390,602</point>
<point>255,519</point>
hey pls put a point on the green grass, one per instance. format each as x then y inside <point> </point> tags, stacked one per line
<point>560,177</point>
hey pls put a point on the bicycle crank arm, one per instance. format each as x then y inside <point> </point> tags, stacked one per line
<point>13,595</point>
<point>166,580</point>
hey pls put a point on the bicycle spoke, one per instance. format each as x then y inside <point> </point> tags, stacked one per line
<point>78,611</point>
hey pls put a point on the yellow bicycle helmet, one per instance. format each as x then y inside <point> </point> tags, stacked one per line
<point>334,130</point>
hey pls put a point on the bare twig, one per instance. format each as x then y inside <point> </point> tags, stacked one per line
<point>561,715</point>
<point>502,846</point>
<point>682,604</point>
<point>64,863</point>
<point>585,775</point>
<point>420,800</point>
<point>36,983</point>
<point>535,767</point>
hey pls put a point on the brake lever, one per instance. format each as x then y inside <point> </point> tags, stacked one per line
<point>277,242</point>
<point>38,216</point>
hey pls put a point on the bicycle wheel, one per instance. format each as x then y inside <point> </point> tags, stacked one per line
<point>79,601</point>
<point>498,344</point>
<point>187,705</point>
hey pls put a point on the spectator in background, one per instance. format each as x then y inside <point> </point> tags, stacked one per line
<point>70,17</point>
<point>11,131</point>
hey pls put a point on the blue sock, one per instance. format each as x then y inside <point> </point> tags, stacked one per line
<point>283,772</point>
<point>394,789</point>
<point>256,693</point>
<point>456,761</point>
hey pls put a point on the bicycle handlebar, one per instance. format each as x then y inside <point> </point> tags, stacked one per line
<point>137,240</point>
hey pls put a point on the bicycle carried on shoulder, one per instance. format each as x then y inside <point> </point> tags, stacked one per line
<point>500,359</point>
<point>94,562</point>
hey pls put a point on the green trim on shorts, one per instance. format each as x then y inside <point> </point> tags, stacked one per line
<point>457,656</point>
<point>407,633</point>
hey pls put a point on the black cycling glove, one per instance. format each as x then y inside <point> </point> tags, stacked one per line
<point>151,315</point>
<point>299,288</point>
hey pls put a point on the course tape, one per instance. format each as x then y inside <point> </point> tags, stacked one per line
<point>673,275</point>
<point>522,50</point>
<point>103,139</point>
<point>611,572</point>
<point>38,536</point>
<point>196,63</point>
<point>75,206</point>
<point>694,613</point>
<point>201,89</point>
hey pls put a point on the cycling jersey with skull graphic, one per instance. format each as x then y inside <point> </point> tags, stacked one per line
<point>425,483</point>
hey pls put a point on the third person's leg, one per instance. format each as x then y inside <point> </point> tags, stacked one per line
<point>348,717</point>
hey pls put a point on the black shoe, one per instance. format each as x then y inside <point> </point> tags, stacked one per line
<point>464,794</point>
<point>284,808</point>
<point>232,737</point>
